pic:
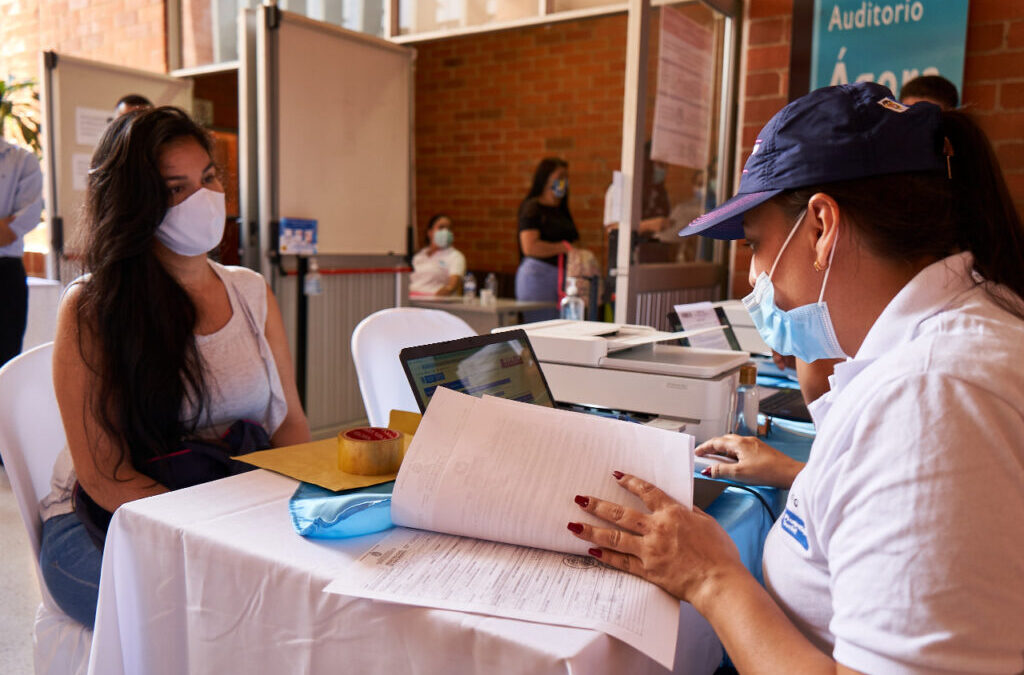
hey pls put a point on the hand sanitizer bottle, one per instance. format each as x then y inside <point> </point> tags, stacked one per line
<point>572,303</point>
<point>312,284</point>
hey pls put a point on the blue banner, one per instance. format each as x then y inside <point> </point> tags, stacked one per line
<point>888,42</point>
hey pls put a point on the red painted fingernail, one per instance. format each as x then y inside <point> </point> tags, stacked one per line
<point>582,501</point>
<point>575,527</point>
<point>596,552</point>
<point>618,475</point>
<point>706,471</point>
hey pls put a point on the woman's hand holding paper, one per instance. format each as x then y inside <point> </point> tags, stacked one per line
<point>679,549</point>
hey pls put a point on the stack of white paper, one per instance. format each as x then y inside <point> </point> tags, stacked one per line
<point>506,472</point>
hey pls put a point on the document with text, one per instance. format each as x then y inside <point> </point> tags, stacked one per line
<point>502,475</point>
<point>429,569</point>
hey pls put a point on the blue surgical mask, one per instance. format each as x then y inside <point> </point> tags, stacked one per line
<point>560,187</point>
<point>443,238</point>
<point>805,332</point>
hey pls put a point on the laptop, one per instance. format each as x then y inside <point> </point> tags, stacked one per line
<point>500,364</point>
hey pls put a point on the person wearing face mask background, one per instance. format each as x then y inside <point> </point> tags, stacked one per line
<point>546,231</point>
<point>437,269</point>
<point>159,350</point>
<point>885,236</point>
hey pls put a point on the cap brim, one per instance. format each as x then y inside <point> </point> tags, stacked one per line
<point>726,221</point>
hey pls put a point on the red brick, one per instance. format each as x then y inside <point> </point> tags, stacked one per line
<point>764,84</point>
<point>767,58</point>
<point>1002,126</point>
<point>985,37</point>
<point>1015,35</point>
<point>757,9</point>
<point>1011,155</point>
<point>980,97</point>
<point>763,108</point>
<point>1011,97</point>
<point>994,66</point>
<point>994,10</point>
<point>768,31</point>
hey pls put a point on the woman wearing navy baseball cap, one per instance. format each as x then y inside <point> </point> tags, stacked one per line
<point>884,235</point>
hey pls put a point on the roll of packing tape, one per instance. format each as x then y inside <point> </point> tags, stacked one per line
<point>369,451</point>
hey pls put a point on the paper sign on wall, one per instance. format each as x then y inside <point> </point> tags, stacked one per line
<point>613,200</point>
<point>79,170</point>
<point>90,123</point>
<point>682,109</point>
<point>297,236</point>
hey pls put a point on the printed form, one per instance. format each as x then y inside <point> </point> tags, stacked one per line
<point>471,575</point>
<point>499,473</point>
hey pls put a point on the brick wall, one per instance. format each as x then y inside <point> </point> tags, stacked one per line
<point>126,32</point>
<point>993,85</point>
<point>490,106</point>
<point>764,85</point>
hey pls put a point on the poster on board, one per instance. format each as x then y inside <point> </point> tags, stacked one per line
<point>887,42</point>
<point>682,109</point>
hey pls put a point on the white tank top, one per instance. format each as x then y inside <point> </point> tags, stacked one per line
<point>239,368</point>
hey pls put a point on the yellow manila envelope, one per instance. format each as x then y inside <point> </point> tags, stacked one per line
<point>317,462</point>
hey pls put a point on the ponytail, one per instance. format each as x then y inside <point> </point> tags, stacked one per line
<point>987,223</point>
<point>910,217</point>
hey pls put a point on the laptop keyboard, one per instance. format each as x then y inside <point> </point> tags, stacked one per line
<point>786,404</point>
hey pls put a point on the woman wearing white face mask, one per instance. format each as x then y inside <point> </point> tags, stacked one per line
<point>884,234</point>
<point>437,269</point>
<point>158,349</point>
<point>546,231</point>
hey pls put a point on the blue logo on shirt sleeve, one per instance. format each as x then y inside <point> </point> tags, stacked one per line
<point>793,525</point>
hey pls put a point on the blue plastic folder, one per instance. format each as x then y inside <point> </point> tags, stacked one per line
<point>322,514</point>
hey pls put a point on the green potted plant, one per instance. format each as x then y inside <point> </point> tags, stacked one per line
<point>19,105</point>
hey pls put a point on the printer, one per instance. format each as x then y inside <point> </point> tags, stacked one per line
<point>633,369</point>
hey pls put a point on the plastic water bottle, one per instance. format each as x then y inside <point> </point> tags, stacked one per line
<point>469,288</point>
<point>572,303</point>
<point>749,402</point>
<point>491,284</point>
<point>312,284</point>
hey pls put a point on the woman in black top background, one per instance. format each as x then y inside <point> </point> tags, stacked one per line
<point>546,230</point>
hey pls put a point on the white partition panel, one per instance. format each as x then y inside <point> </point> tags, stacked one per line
<point>336,109</point>
<point>78,102</point>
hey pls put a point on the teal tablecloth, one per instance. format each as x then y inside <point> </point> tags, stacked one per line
<point>320,513</point>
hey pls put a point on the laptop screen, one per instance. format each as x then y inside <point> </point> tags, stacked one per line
<point>502,364</point>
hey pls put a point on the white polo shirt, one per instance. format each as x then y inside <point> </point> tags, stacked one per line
<point>430,273</point>
<point>901,549</point>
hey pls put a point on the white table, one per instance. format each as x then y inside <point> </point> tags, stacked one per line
<point>41,325</point>
<point>483,318</point>
<point>214,579</point>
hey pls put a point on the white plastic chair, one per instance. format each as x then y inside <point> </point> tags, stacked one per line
<point>376,342</point>
<point>31,437</point>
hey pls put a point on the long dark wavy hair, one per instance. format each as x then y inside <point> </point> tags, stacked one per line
<point>545,168</point>
<point>140,321</point>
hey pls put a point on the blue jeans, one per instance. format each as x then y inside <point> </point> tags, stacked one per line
<point>71,567</point>
<point>537,280</point>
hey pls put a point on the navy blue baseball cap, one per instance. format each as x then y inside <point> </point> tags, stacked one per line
<point>831,134</point>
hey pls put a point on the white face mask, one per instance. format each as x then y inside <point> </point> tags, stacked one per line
<point>195,226</point>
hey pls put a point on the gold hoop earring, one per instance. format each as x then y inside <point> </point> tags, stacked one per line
<point>818,267</point>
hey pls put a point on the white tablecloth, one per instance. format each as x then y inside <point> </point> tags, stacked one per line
<point>214,579</point>
<point>41,323</point>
